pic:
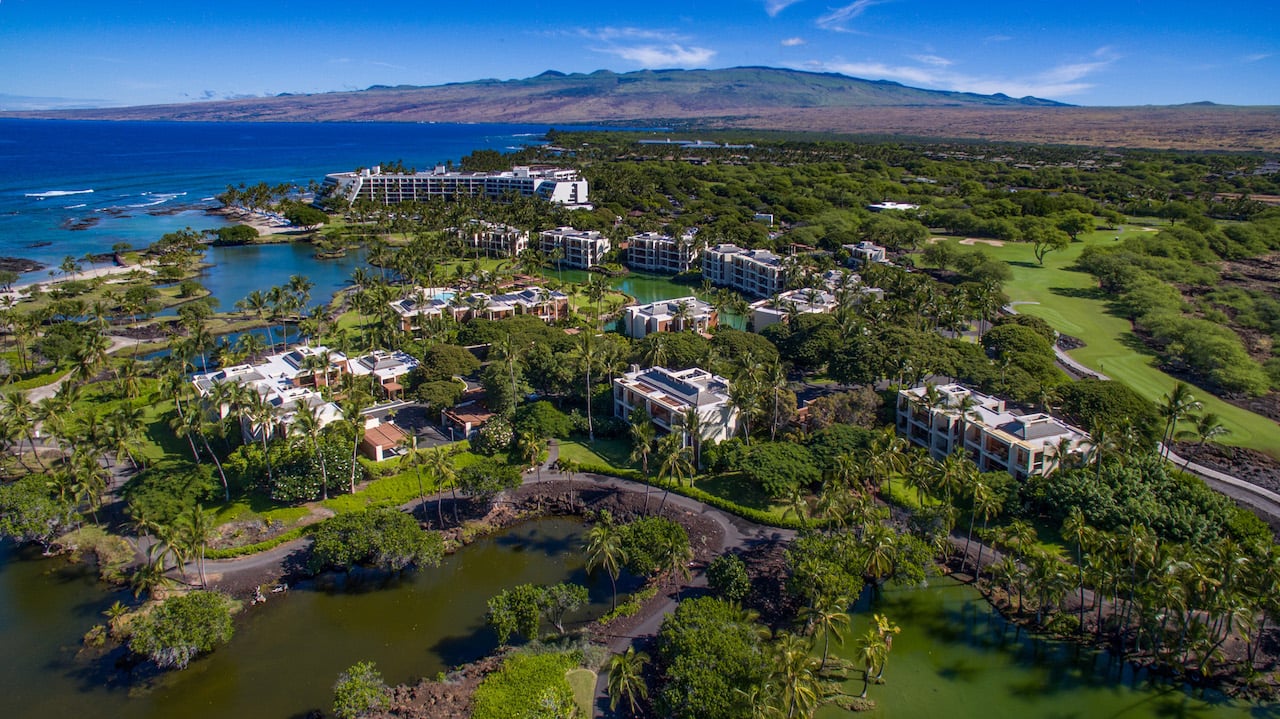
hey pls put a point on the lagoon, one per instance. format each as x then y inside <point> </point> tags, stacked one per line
<point>956,658</point>
<point>287,653</point>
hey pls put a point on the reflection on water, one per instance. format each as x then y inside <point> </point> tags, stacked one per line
<point>956,658</point>
<point>287,653</point>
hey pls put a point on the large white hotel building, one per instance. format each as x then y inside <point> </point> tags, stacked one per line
<point>553,184</point>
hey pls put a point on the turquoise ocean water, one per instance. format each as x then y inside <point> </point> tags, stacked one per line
<point>71,188</point>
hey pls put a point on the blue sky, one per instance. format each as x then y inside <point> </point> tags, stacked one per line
<point>1122,52</point>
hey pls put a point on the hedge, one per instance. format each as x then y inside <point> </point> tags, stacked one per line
<point>630,605</point>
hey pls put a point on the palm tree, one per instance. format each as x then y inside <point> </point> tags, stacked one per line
<point>194,529</point>
<point>353,408</point>
<point>643,433</point>
<point>795,673</point>
<point>1102,445</point>
<point>587,356</point>
<point>21,412</point>
<point>531,448</point>
<point>597,288</point>
<point>1076,529</point>
<point>124,431</point>
<point>259,303</point>
<point>509,350</point>
<point>673,464</point>
<point>626,679</point>
<point>887,630</point>
<point>829,615</point>
<point>871,651</point>
<point>988,505</point>
<point>605,551</point>
<point>1208,427</point>
<point>1176,406</point>
<point>441,465</point>
<point>306,423</point>
<point>416,459</point>
<point>691,421</point>
<point>744,395</point>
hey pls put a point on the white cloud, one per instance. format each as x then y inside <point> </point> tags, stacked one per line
<point>773,7</point>
<point>669,55</point>
<point>933,60</point>
<point>609,34</point>
<point>648,47</point>
<point>1256,57</point>
<point>837,18</point>
<point>936,73</point>
<point>793,42</point>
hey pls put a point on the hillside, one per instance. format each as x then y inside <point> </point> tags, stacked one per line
<point>754,97</point>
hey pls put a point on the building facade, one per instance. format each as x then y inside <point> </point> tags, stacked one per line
<point>683,313</point>
<point>495,240</point>
<point>866,252</point>
<point>583,249</point>
<point>953,418</point>
<point>426,304</point>
<point>286,382</point>
<point>665,395</point>
<point>553,184</point>
<point>754,272</point>
<point>655,252</point>
<point>784,305</point>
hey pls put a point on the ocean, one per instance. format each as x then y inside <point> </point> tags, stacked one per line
<point>71,188</point>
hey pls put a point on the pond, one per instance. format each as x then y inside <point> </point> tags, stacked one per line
<point>645,288</point>
<point>955,658</point>
<point>287,653</point>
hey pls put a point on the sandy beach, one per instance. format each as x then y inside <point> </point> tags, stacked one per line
<point>20,292</point>
<point>265,223</point>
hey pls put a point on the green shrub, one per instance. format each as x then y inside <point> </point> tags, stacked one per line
<point>727,577</point>
<point>182,628</point>
<point>527,685</point>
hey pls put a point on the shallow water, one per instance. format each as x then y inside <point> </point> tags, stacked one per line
<point>955,658</point>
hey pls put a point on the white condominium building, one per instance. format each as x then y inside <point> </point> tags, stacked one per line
<point>582,249</point>
<point>667,394</point>
<point>682,313</point>
<point>755,272</point>
<point>550,183</point>
<point>951,418</point>
<point>780,307</point>
<point>425,304</point>
<point>656,252</point>
<point>286,381</point>
<point>495,240</point>
<point>837,286</point>
<point>866,252</point>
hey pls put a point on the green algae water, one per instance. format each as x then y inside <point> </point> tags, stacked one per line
<point>956,659</point>
<point>286,654</point>
<point>953,659</point>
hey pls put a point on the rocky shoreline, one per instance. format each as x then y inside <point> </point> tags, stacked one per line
<point>21,265</point>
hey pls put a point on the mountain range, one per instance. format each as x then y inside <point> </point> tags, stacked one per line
<point>740,97</point>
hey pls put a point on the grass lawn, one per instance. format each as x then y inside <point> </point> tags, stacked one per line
<point>583,683</point>
<point>389,491</point>
<point>611,453</point>
<point>736,488</point>
<point>258,507</point>
<point>1071,303</point>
